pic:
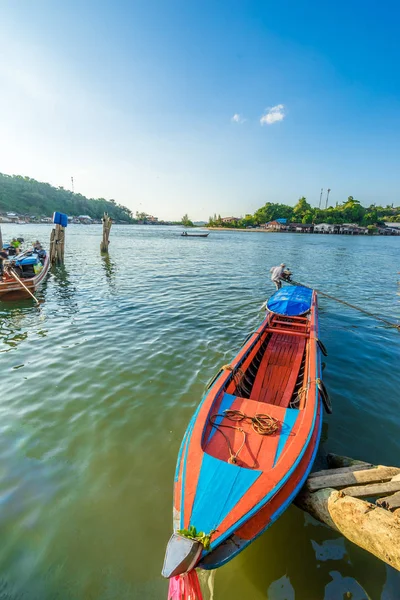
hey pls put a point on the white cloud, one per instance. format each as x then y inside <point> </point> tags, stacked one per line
<point>273,115</point>
<point>237,118</point>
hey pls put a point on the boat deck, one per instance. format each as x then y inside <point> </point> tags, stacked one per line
<point>279,376</point>
<point>278,371</point>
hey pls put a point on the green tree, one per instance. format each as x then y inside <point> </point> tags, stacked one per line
<point>186,221</point>
<point>29,197</point>
<point>301,209</point>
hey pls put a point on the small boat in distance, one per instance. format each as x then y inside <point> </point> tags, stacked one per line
<point>30,268</point>
<point>186,234</point>
<point>252,441</point>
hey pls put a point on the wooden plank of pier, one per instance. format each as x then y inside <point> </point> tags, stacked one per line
<point>373,490</point>
<point>371,526</point>
<point>377,474</point>
<point>390,502</point>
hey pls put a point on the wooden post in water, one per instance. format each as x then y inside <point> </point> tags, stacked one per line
<point>1,240</point>
<point>335,497</point>
<point>107,222</point>
<point>57,238</point>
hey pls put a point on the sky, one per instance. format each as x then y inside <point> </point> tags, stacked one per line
<point>203,107</point>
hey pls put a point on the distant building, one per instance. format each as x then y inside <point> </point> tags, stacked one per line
<point>276,225</point>
<point>301,227</point>
<point>230,219</point>
<point>85,219</point>
<point>13,218</point>
<point>389,229</point>
<point>393,225</point>
<point>326,228</point>
<point>353,229</point>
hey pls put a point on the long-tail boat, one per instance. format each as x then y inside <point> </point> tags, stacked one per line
<point>187,235</point>
<point>28,269</point>
<point>252,441</point>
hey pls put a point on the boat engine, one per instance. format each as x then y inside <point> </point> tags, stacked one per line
<point>287,275</point>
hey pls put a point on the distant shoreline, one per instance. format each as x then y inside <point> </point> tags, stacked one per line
<point>257,229</point>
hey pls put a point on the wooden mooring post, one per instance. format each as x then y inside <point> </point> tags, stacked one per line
<point>107,222</point>
<point>57,238</point>
<point>359,500</point>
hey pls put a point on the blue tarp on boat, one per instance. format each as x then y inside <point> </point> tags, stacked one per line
<point>290,301</point>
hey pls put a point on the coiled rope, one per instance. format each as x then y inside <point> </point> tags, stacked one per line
<point>362,310</point>
<point>261,423</point>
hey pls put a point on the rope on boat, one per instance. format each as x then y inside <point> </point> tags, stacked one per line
<point>238,376</point>
<point>262,424</point>
<point>362,310</point>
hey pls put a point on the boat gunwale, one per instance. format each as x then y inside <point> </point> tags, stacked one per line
<point>13,287</point>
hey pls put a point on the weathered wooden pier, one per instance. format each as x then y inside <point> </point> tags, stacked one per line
<point>361,501</point>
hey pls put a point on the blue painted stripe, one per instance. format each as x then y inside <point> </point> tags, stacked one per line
<point>289,420</point>
<point>226,403</point>
<point>220,487</point>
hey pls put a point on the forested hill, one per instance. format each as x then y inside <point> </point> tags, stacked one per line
<point>27,196</point>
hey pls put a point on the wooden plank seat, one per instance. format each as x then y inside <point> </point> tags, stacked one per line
<point>278,371</point>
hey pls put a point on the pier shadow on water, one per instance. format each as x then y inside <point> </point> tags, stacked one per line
<point>299,558</point>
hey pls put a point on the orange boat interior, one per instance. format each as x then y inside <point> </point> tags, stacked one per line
<point>269,383</point>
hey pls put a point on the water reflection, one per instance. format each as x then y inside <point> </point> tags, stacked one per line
<point>110,270</point>
<point>65,290</point>
<point>310,557</point>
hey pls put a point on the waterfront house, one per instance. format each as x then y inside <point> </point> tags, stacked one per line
<point>300,227</point>
<point>13,217</point>
<point>85,219</point>
<point>326,228</point>
<point>353,229</point>
<point>389,229</point>
<point>230,219</point>
<point>276,225</point>
<point>394,228</point>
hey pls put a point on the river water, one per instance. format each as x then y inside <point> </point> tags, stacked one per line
<point>99,384</point>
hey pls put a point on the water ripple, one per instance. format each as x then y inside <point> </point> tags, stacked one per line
<point>104,377</point>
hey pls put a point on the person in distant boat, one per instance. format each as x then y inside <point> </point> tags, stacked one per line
<point>3,257</point>
<point>184,233</point>
<point>15,244</point>
<point>276,274</point>
<point>37,245</point>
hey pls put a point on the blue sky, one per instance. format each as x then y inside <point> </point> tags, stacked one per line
<point>136,99</point>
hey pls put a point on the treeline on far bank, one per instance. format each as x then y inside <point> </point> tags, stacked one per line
<point>350,211</point>
<point>26,196</point>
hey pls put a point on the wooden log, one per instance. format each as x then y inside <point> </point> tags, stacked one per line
<point>341,480</point>
<point>390,502</point>
<point>373,490</point>
<point>340,470</point>
<point>57,242</point>
<point>107,222</point>
<point>370,527</point>
<point>336,461</point>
